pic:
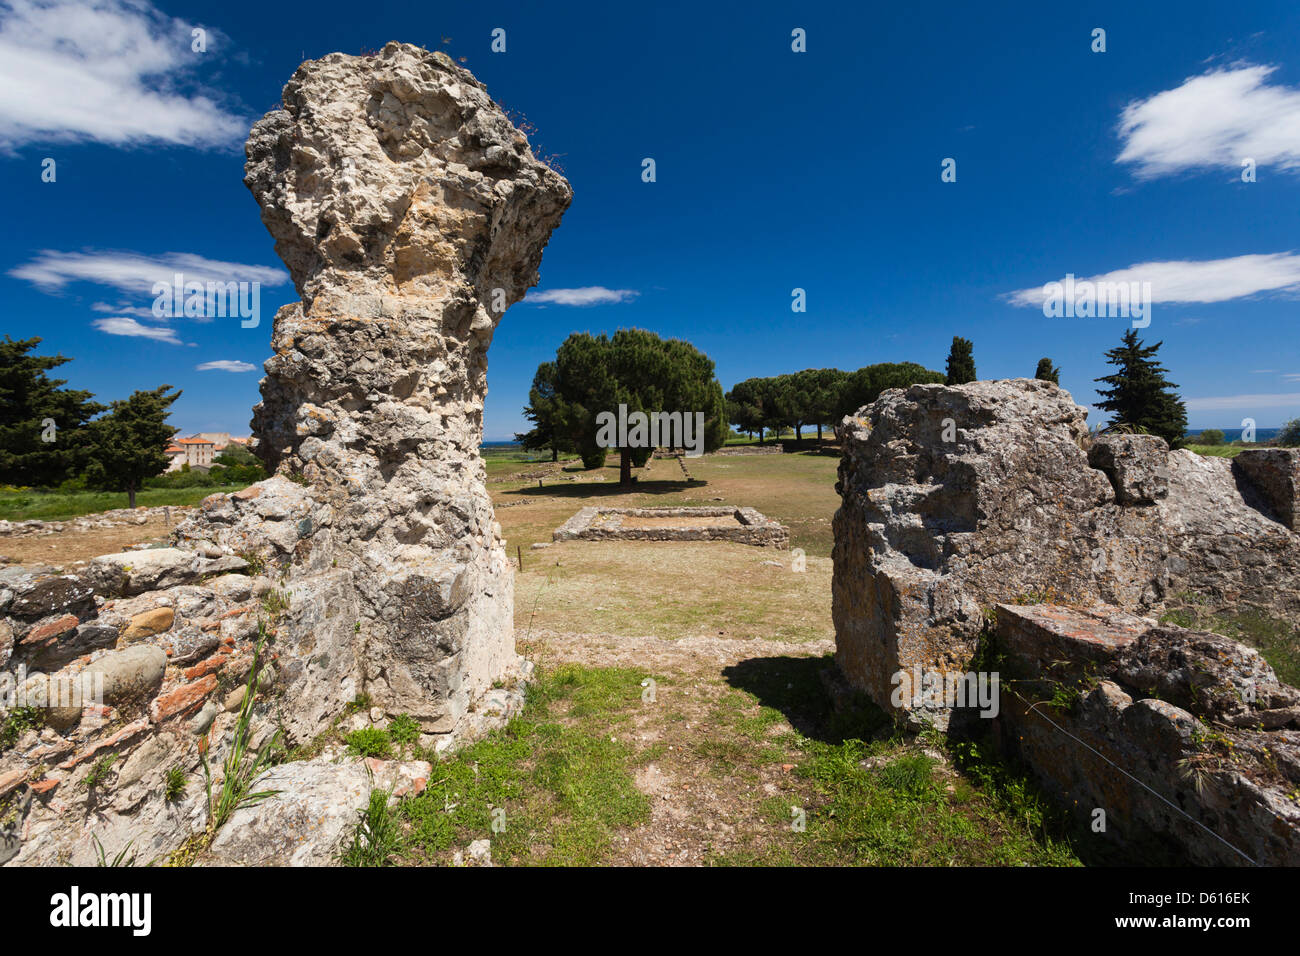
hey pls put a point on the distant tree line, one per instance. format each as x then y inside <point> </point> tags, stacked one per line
<point>816,397</point>
<point>637,368</point>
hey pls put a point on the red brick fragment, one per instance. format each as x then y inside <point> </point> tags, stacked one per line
<point>183,698</point>
<point>55,628</point>
<point>209,666</point>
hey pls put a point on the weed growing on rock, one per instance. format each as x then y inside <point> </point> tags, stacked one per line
<point>99,772</point>
<point>242,765</point>
<point>404,729</point>
<point>377,837</point>
<point>174,785</point>
<point>17,722</point>
<point>256,562</point>
<point>124,857</point>
<point>276,603</point>
<point>370,742</point>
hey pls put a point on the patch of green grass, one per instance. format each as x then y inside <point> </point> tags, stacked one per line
<point>887,804</point>
<point>1217,451</point>
<point>552,787</point>
<point>882,802</point>
<point>377,837</point>
<point>30,504</point>
<point>370,742</point>
<point>1277,641</point>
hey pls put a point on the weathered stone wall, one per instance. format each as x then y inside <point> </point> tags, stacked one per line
<point>750,450</point>
<point>958,498</point>
<point>118,518</point>
<point>1172,745</point>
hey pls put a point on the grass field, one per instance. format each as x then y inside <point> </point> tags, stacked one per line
<point>1218,451</point>
<point>57,505</point>
<point>749,769</point>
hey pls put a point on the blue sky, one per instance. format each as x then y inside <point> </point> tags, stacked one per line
<point>775,170</point>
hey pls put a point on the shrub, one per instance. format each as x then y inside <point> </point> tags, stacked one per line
<point>1210,436</point>
<point>1289,436</point>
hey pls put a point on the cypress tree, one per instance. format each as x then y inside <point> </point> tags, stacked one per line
<point>1048,372</point>
<point>961,361</point>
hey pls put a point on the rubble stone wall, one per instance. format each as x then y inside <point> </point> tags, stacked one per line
<point>410,213</point>
<point>956,498</point>
<point>1182,745</point>
<point>959,500</point>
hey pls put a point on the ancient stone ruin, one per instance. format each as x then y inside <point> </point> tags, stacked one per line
<point>410,213</point>
<point>742,525</point>
<point>964,506</point>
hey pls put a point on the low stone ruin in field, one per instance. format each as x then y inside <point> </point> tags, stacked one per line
<point>410,213</point>
<point>118,518</point>
<point>983,528</point>
<point>742,525</point>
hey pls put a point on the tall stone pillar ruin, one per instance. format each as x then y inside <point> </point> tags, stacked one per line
<point>410,213</point>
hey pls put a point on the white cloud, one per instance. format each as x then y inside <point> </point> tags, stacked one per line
<point>1243,402</point>
<point>110,71</point>
<point>1211,280</point>
<point>225,365</point>
<point>139,311</point>
<point>123,325</point>
<point>135,273</point>
<point>588,295</point>
<point>1215,120</point>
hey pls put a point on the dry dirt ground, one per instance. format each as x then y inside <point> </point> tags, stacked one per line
<point>707,793</point>
<point>69,547</point>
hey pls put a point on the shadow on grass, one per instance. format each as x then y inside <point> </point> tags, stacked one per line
<point>798,688</point>
<point>794,686</point>
<point>608,489</point>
